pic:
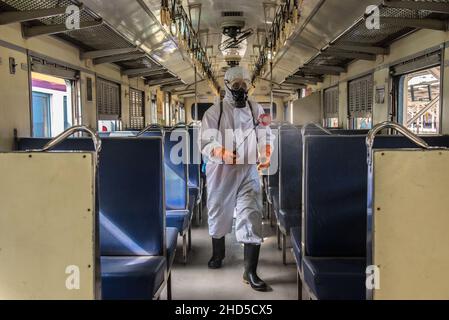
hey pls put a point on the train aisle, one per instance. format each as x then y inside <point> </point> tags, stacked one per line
<point>195,281</point>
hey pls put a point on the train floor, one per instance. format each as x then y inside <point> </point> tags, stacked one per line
<point>194,281</point>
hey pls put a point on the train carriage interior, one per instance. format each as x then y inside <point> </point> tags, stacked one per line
<point>110,187</point>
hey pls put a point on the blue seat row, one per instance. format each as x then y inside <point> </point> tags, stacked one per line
<point>136,249</point>
<point>330,248</point>
<point>179,201</point>
<point>285,186</point>
<point>195,184</point>
<point>288,208</point>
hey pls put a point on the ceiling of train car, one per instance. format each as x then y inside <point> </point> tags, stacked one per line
<point>99,37</point>
<point>214,13</point>
<point>318,45</point>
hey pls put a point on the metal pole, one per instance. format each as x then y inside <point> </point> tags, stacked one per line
<point>271,88</point>
<point>196,95</point>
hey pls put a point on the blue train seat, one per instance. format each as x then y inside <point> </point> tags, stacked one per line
<point>290,182</point>
<point>131,278</point>
<point>272,191</point>
<point>178,209</point>
<point>335,204</point>
<point>172,243</point>
<point>344,132</point>
<point>194,184</point>
<point>335,216</point>
<point>132,231</point>
<point>295,234</point>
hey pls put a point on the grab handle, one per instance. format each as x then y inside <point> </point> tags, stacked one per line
<point>303,130</point>
<point>399,128</point>
<point>151,127</point>
<point>69,132</point>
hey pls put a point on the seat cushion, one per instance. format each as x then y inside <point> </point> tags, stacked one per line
<point>172,242</point>
<point>295,234</point>
<point>131,278</point>
<point>178,219</point>
<point>336,278</point>
<point>289,218</point>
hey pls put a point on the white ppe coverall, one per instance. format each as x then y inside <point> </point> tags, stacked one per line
<point>234,187</point>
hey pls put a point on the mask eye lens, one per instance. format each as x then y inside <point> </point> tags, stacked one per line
<point>239,84</point>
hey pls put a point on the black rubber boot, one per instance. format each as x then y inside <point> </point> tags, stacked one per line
<point>218,253</point>
<point>251,253</point>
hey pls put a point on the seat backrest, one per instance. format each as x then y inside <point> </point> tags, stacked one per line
<point>290,167</point>
<point>176,169</point>
<point>131,197</point>
<point>335,179</point>
<point>176,155</point>
<point>195,158</point>
<point>273,177</point>
<point>344,132</point>
<point>131,193</point>
<point>335,191</point>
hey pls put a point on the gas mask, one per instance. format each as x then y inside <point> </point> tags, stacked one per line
<point>239,93</point>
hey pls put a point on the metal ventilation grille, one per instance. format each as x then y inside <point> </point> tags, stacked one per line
<point>232,14</point>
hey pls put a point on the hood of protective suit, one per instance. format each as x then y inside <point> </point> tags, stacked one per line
<point>233,74</point>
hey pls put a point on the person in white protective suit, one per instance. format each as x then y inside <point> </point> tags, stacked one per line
<point>236,146</point>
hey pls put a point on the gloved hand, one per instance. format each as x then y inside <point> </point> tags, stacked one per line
<point>227,156</point>
<point>265,159</point>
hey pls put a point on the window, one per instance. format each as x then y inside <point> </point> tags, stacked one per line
<point>154,110</point>
<point>266,107</point>
<point>202,108</point>
<point>109,125</point>
<point>108,105</point>
<point>419,103</point>
<point>181,113</point>
<point>53,100</point>
<point>167,109</point>
<point>417,86</point>
<point>330,107</point>
<point>360,96</point>
<point>137,109</point>
<point>41,115</point>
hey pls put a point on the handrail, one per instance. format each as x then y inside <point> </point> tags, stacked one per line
<point>180,125</point>
<point>69,132</point>
<point>399,128</point>
<point>150,127</point>
<point>304,128</point>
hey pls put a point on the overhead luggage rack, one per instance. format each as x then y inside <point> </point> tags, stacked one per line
<point>359,42</point>
<point>94,35</point>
